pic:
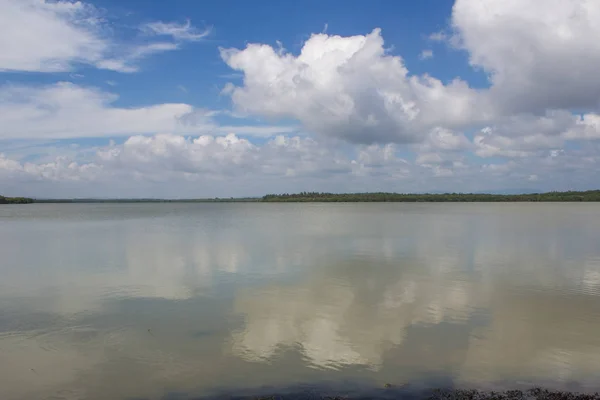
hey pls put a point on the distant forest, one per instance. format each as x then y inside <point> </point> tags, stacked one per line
<point>15,200</point>
<point>590,195</point>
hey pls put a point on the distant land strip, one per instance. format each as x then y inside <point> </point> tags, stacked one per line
<point>591,195</point>
<point>15,200</point>
<point>304,197</point>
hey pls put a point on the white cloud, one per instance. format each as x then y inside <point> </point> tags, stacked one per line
<point>172,153</point>
<point>216,157</point>
<point>175,159</point>
<point>127,62</point>
<point>426,55</point>
<point>349,87</point>
<point>56,36</point>
<point>438,37</point>
<point>490,146</point>
<point>429,159</point>
<point>48,36</point>
<point>524,135</point>
<point>539,55</point>
<point>587,127</point>
<point>66,110</point>
<point>555,169</point>
<point>541,109</point>
<point>183,31</point>
<point>441,139</point>
<point>353,89</point>
<point>61,169</point>
<point>541,64</point>
<point>170,165</point>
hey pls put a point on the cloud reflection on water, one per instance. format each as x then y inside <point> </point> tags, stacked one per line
<point>250,296</point>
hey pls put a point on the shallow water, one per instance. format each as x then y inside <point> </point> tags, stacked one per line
<point>130,301</point>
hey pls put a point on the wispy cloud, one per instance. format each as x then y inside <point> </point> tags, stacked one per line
<point>57,36</point>
<point>128,62</point>
<point>426,54</point>
<point>438,37</point>
<point>183,32</point>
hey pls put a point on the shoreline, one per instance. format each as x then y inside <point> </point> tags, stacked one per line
<point>367,197</point>
<point>389,393</point>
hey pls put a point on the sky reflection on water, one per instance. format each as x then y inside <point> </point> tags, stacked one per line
<point>129,301</point>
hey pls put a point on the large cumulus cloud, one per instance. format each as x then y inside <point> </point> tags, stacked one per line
<point>539,55</point>
<point>540,60</point>
<point>349,87</point>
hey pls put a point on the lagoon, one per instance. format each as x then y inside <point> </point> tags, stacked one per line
<point>158,300</point>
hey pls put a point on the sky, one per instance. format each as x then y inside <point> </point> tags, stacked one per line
<point>182,99</point>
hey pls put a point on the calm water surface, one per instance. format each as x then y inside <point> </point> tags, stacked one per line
<point>147,301</point>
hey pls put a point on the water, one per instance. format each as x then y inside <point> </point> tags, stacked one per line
<point>147,301</point>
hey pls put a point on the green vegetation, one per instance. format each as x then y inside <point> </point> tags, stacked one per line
<point>15,200</point>
<point>214,200</point>
<point>591,195</point>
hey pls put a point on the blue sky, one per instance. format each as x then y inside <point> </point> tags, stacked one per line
<point>228,98</point>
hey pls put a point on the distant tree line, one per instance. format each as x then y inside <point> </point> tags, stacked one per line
<point>15,200</point>
<point>591,195</point>
<point>140,200</point>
